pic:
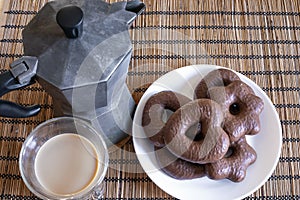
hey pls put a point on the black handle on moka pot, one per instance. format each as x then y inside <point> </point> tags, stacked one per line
<point>19,76</point>
<point>70,19</point>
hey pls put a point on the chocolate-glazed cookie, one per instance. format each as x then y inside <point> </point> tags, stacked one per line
<point>152,119</point>
<point>218,77</point>
<point>241,108</point>
<point>176,167</point>
<point>234,165</point>
<point>215,142</point>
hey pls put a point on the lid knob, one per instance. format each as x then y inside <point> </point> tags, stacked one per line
<point>70,19</point>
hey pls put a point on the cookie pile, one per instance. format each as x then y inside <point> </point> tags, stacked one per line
<point>205,136</point>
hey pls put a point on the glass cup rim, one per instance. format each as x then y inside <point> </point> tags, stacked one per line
<point>76,195</point>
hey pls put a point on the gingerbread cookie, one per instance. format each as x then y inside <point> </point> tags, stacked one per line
<point>215,142</point>
<point>152,119</point>
<point>218,77</point>
<point>241,107</point>
<point>176,167</point>
<point>234,165</point>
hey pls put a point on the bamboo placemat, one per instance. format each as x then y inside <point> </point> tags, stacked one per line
<point>260,39</point>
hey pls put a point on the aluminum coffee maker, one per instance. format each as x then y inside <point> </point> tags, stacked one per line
<point>79,51</point>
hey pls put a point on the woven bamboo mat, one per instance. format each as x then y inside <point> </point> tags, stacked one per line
<point>260,39</point>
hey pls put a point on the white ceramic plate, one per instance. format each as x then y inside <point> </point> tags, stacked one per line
<point>267,143</point>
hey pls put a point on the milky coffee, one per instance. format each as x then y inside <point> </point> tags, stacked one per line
<point>66,164</point>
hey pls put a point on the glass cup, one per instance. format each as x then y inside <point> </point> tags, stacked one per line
<point>52,129</point>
